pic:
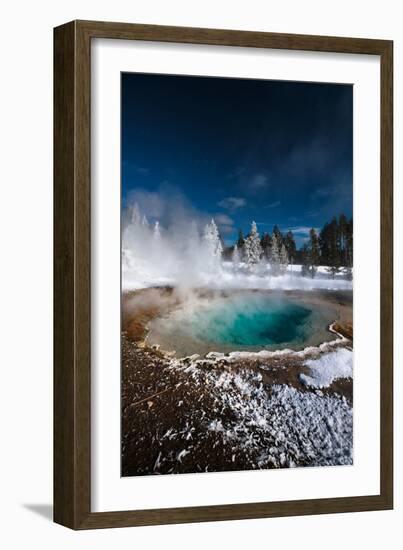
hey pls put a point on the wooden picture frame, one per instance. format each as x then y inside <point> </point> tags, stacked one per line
<point>72,270</point>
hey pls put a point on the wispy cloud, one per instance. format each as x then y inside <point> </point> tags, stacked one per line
<point>232,203</point>
<point>225,223</point>
<point>273,204</point>
<point>300,230</point>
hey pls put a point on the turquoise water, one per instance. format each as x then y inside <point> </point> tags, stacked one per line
<point>243,320</point>
<point>251,323</point>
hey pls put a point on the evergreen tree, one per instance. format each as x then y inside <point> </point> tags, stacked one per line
<point>241,240</point>
<point>212,240</point>
<point>240,244</point>
<point>275,254</point>
<point>311,255</point>
<point>334,249</point>
<point>336,245</point>
<point>350,249</point>
<point>252,247</point>
<point>343,229</point>
<point>279,236</point>
<point>265,244</point>
<point>348,270</point>
<point>290,246</point>
<point>324,242</point>
<point>314,252</point>
<point>283,259</point>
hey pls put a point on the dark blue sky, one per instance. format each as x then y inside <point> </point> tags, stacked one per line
<point>271,151</point>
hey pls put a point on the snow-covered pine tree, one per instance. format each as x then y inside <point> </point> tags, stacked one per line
<point>283,259</point>
<point>157,231</point>
<point>252,247</point>
<point>275,254</point>
<point>212,240</point>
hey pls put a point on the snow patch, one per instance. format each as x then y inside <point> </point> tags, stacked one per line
<point>329,367</point>
<point>275,426</point>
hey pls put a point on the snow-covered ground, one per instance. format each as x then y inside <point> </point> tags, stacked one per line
<point>282,427</point>
<point>202,417</point>
<point>140,273</point>
<point>242,276</point>
<point>329,367</point>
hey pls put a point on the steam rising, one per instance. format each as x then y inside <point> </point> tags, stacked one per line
<point>167,242</point>
<point>174,253</point>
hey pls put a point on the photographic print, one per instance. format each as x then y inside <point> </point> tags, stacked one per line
<point>236,274</point>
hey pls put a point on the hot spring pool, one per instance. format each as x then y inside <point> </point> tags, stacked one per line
<point>243,320</point>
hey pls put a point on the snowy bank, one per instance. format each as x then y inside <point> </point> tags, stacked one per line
<point>139,273</point>
<point>327,368</point>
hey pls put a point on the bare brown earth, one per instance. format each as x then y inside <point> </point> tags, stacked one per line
<point>164,410</point>
<point>345,328</point>
<point>155,399</point>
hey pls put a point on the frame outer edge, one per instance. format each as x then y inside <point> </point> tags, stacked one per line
<point>64,414</point>
<point>387,274</point>
<point>229,37</point>
<point>82,298</point>
<point>71,279</point>
<point>72,289</point>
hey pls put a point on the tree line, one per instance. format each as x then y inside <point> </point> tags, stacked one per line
<point>331,246</point>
